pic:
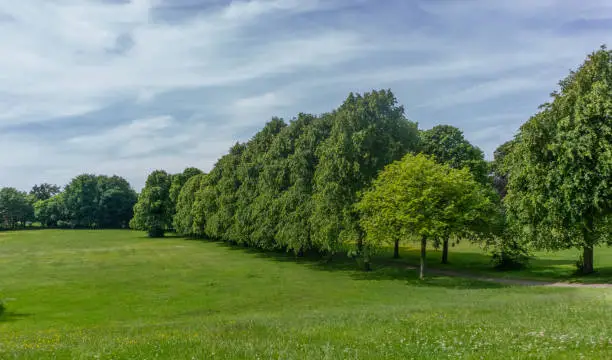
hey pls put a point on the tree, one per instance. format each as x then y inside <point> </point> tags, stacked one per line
<point>417,196</point>
<point>499,168</point>
<point>368,132</point>
<point>179,180</point>
<point>81,198</point>
<point>116,200</point>
<point>44,191</point>
<point>559,188</point>
<point>153,211</point>
<point>48,212</point>
<point>183,220</point>
<point>448,145</point>
<point>14,208</point>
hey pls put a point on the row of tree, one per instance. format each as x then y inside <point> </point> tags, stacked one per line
<point>91,201</point>
<point>296,186</point>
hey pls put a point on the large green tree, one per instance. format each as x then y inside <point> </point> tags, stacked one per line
<point>419,197</point>
<point>153,211</point>
<point>559,186</point>
<point>448,145</point>
<point>116,200</point>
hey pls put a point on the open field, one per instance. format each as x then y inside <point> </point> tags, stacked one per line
<point>119,295</point>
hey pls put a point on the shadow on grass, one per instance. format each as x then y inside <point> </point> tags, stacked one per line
<point>9,316</point>
<point>380,270</point>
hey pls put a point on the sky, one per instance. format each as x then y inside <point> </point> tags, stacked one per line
<point>126,87</point>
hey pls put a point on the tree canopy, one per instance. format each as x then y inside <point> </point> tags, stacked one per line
<point>560,168</point>
<point>153,211</point>
<point>44,191</point>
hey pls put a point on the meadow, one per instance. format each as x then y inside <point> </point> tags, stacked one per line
<point>111,294</point>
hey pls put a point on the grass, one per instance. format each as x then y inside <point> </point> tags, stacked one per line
<point>118,295</point>
<point>552,266</point>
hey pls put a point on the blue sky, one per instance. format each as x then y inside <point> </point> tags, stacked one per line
<point>125,87</point>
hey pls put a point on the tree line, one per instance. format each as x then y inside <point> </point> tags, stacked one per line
<point>88,201</point>
<point>296,186</point>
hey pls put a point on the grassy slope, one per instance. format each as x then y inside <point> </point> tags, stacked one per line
<point>115,294</point>
<point>556,266</point>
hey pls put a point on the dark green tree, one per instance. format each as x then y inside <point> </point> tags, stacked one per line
<point>44,191</point>
<point>153,211</point>
<point>15,208</point>
<point>116,200</point>
<point>559,186</point>
<point>368,132</point>
<point>81,198</point>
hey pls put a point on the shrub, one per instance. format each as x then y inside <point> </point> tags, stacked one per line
<point>510,255</point>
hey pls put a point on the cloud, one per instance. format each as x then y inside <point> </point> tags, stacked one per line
<point>117,86</point>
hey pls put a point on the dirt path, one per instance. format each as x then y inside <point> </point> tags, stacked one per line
<point>506,281</point>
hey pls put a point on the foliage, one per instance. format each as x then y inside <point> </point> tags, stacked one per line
<point>368,132</point>
<point>418,197</point>
<point>179,180</point>
<point>559,188</point>
<point>44,191</point>
<point>95,201</point>
<point>153,211</point>
<point>448,145</point>
<point>293,186</point>
<point>15,208</point>
<point>183,221</point>
<point>50,211</point>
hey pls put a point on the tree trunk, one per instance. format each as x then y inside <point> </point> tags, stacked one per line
<point>445,251</point>
<point>396,250</point>
<point>587,257</point>
<point>423,254</point>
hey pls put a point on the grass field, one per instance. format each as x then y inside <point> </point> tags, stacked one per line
<point>118,295</point>
<point>546,265</point>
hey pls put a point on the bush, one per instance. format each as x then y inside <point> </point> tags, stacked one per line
<point>510,255</point>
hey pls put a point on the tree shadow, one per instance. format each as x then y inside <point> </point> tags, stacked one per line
<point>381,271</point>
<point>10,316</point>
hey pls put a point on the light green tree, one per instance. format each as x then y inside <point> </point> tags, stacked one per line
<point>417,197</point>
<point>448,145</point>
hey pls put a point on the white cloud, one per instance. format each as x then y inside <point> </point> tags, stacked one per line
<point>245,61</point>
<point>59,55</point>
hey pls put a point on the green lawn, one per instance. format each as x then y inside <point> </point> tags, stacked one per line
<point>554,266</point>
<point>118,295</point>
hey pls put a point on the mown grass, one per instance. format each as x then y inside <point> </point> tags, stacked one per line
<point>118,295</point>
<point>545,265</point>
